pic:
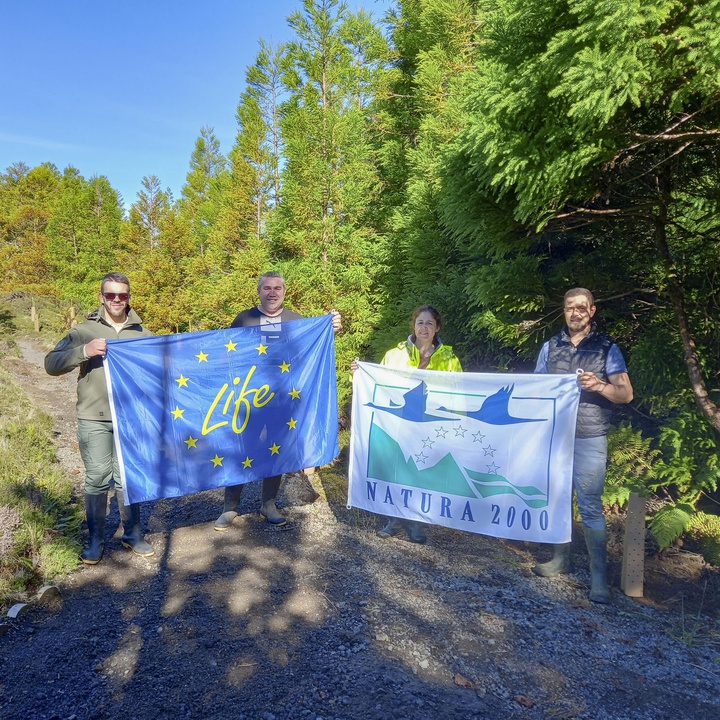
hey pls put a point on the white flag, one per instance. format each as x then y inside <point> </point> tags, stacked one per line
<point>487,453</point>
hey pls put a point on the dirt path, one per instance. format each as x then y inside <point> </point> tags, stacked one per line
<point>323,620</point>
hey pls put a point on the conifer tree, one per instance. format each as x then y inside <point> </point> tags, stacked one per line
<point>420,112</point>
<point>147,212</point>
<point>264,90</point>
<point>207,164</point>
<point>589,157</point>
<point>323,230</point>
<point>84,235</point>
<point>597,123</point>
<point>26,199</point>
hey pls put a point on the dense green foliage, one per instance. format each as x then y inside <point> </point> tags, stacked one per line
<point>479,155</point>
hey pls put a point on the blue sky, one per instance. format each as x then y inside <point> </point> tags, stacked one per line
<point>122,87</point>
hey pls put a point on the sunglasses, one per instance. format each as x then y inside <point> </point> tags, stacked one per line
<point>123,297</point>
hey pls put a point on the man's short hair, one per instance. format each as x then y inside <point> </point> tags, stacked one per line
<point>270,274</point>
<point>580,291</point>
<point>115,277</point>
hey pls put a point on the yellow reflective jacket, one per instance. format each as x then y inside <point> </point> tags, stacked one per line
<point>407,355</point>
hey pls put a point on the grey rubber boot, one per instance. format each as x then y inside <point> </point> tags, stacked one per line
<point>596,541</point>
<point>559,565</point>
<point>95,513</point>
<point>233,494</point>
<point>270,489</point>
<point>394,527</point>
<point>415,532</point>
<point>132,532</point>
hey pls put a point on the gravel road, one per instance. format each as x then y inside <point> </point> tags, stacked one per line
<point>323,620</point>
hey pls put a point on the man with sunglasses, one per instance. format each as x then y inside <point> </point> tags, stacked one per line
<point>85,347</point>
<point>604,382</point>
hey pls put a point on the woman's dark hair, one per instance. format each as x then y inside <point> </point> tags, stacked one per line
<point>429,309</point>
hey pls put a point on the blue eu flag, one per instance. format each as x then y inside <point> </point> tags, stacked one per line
<point>203,410</point>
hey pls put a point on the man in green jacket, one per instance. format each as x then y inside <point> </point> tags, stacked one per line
<point>85,347</point>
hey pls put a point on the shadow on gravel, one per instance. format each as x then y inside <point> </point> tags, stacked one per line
<point>324,620</point>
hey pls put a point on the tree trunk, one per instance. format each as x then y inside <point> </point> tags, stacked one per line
<point>707,407</point>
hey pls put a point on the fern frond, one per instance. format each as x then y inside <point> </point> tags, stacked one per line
<point>671,522</point>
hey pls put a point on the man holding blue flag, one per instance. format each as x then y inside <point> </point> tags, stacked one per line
<point>604,381</point>
<point>85,346</point>
<point>270,315</point>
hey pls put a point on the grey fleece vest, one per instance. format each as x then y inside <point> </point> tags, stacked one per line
<point>594,413</point>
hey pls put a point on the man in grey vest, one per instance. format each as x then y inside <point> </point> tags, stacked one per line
<point>604,380</point>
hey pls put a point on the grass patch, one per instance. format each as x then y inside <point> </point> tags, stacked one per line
<point>39,517</point>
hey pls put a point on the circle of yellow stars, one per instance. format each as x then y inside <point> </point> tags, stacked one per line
<point>179,413</point>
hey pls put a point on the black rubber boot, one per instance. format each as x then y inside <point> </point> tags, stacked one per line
<point>270,489</point>
<point>233,494</point>
<point>95,512</point>
<point>394,527</point>
<point>596,541</point>
<point>132,537</point>
<point>415,532</point>
<point>559,565</point>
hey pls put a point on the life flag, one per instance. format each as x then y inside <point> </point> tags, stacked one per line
<point>203,410</point>
<point>487,453</point>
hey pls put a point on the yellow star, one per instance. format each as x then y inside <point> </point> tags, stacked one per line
<point>262,349</point>
<point>247,462</point>
<point>182,381</point>
<point>231,345</point>
<point>292,424</point>
<point>191,442</point>
<point>202,357</point>
<point>285,367</point>
<point>274,449</point>
<point>177,412</point>
<point>294,394</point>
<point>217,461</point>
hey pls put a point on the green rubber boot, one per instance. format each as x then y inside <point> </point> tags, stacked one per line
<point>415,532</point>
<point>270,489</point>
<point>95,513</point>
<point>392,529</point>
<point>233,494</point>
<point>596,541</point>
<point>559,565</point>
<point>132,537</point>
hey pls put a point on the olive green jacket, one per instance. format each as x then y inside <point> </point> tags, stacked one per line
<point>68,354</point>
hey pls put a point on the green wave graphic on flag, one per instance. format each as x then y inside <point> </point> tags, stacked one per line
<point>488,485</point>
<point>386,462</point>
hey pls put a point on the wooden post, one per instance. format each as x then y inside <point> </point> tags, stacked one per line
<point>633,564</point>
<point>32,313</point>
<point>37,323</point>
<point>73,316</point>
